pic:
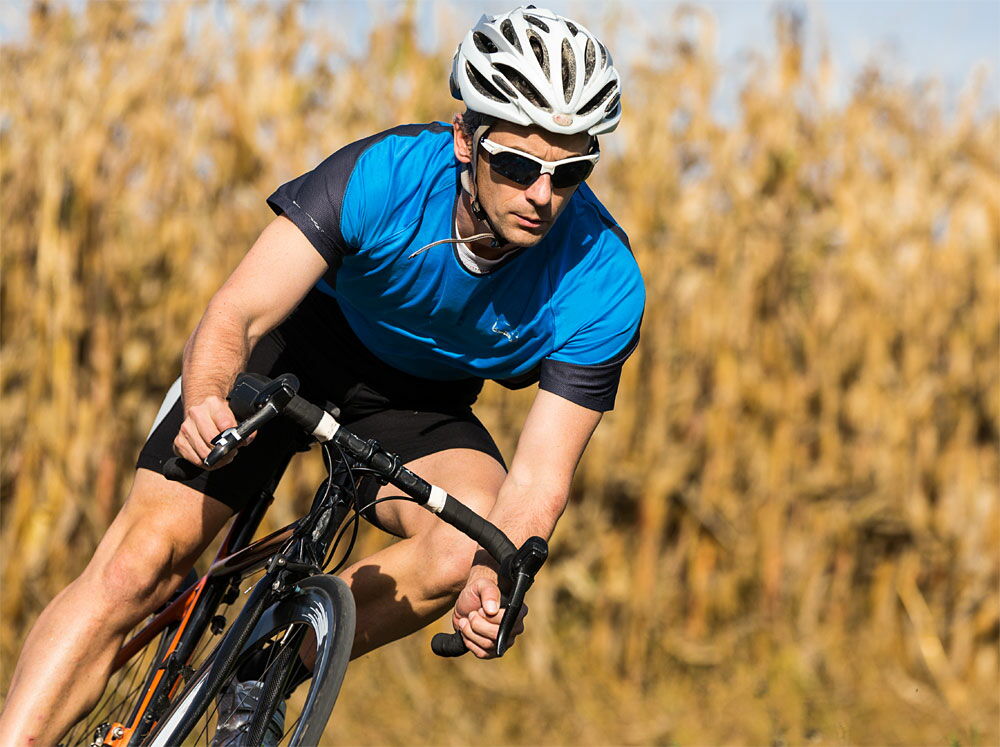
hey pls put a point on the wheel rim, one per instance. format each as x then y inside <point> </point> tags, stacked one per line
<point>321,604</point>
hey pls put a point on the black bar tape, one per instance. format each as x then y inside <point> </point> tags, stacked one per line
<point>468,521</point>
<point>388,465</point>
<point>353,445</point>
<point>180,469</point>
<point>304,414</point>
<point>384,463</point>
<point>412,484</point>
<point>448,644</point>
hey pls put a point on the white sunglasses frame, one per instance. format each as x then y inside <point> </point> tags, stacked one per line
<point>548,167</point>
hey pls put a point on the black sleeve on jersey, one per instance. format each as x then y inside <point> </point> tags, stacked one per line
<point>314,202</point>
<point>593,387</point>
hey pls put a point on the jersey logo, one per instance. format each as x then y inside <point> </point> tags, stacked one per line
<point>502,327</point>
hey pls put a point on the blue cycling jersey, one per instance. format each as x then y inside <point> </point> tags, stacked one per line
<point>565,311</point>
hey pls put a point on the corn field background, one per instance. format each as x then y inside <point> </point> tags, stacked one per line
<point>788,530</point>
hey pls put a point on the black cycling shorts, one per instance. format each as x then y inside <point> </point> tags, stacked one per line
<point>408,415</point>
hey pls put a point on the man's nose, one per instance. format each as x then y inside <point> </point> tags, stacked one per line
<point>539,192</point>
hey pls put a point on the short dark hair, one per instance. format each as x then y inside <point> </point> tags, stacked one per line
<point>472,121</point>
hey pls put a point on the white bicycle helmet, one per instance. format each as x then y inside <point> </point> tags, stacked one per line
<point>534,67</point>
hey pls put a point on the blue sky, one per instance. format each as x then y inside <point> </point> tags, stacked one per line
<point>915,39</point>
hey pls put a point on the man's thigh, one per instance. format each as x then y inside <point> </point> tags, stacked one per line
<point>163,518</point>
<point>471,476</point>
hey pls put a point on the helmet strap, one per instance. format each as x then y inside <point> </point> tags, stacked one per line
<point>470,182</point>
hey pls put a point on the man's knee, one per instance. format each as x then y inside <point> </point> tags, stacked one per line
<point>136,579</point>
<point>153,542</point>
<point>451,555</point>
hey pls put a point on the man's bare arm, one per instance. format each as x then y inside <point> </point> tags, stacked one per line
<point>536,490</point>
<point>265,287</point>
<point>530,502</point>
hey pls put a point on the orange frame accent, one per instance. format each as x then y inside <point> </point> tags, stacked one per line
<point>181,610</point>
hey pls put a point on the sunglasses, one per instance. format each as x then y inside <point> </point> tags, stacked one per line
<point>524,169</point>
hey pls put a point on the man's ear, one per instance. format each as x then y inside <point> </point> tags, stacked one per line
<point>463,145</point>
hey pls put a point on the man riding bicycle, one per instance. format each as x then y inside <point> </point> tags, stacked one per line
<point>398,275</point>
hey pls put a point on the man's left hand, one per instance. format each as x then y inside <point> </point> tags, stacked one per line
<point>478,613</point>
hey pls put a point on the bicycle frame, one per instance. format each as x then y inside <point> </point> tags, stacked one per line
<point>293,553</point>
<point>194,608</point>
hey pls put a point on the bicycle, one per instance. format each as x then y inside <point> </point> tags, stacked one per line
<point>166,678</point>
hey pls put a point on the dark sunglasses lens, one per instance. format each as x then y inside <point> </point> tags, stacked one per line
<point>571,174</point>
<point>517,168</point>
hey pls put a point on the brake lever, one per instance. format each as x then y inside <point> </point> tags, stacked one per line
<point>523,566</point>
<point>265,399</point>
<point>519,569</point>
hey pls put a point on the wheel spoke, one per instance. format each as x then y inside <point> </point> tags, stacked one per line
<point>290,730</point>
<point>323,603</point>
<point>273,649</point>
<point>119,698</point>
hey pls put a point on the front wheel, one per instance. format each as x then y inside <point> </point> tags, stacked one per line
<point>320,611</point>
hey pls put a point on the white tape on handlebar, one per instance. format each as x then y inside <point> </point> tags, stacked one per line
<point>436,502</point>
<point>327,428</point>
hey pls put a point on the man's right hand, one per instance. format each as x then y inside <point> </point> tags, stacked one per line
<point>203,422</point>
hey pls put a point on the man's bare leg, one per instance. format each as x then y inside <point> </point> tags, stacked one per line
<point>64,665</point>
<point>406,586</point>
<point>65,660</point>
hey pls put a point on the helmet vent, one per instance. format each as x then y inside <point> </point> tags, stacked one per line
<point>482,85</point>
<point>572,28</point>
<point>568,70</point>
<point>604,55</point>
<point>535,21</point>
<point>589,57</point>
<point>523,85</point>
<point>613,103</point>
<point>504,86</point>
<point>507,29</point>
<point>599,99</point>
<point>538,47</point>
<point>483,43</point>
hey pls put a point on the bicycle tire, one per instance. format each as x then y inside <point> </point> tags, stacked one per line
<point>321,603</point>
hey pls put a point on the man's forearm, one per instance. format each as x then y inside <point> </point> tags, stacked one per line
<point>523,511</point>
<point>216,352</point>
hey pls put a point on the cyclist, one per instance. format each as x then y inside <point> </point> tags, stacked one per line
<point>398,275</point>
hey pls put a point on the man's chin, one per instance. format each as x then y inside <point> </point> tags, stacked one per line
<point>522,238</point>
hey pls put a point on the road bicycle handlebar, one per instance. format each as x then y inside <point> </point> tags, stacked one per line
<point>256,400</point>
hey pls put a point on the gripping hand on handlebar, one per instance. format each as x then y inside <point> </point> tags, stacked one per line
<point>478,613</point>
<point>203,422</point>
<point>255,398</point>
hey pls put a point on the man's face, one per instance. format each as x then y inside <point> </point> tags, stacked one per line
<point>523,214</point>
